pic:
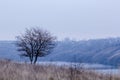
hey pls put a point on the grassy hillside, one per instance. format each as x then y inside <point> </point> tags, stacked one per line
<point>16,71</point>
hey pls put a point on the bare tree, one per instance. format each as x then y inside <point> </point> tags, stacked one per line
<point>34,43</point>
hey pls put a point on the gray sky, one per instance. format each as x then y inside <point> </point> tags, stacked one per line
<point>77,19</point>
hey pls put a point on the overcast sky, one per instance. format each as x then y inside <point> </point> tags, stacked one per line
<point>77,19</point>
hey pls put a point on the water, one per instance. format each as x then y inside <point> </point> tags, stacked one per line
<point>108,71</point>
<point>99,68</point>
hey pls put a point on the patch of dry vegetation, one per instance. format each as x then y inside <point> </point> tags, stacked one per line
<point>16,71</point>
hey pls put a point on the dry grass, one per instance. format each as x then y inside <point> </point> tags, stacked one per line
<point>16,71</point>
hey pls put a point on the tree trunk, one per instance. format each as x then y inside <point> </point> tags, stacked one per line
<point>30,59</point>
<point>35,59</point>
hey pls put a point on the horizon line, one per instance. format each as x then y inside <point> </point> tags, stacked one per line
<point>67,38</point>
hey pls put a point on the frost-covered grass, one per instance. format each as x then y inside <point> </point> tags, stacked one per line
<point>22,71</point>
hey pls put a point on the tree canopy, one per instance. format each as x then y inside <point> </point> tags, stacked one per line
<point>34,43</point>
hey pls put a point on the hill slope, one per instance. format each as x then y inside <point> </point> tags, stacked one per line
<point>103,51</point>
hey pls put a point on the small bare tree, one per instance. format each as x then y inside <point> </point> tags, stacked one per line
<point>35,43</point>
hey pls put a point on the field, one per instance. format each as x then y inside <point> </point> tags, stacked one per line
<point>22,71</point>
